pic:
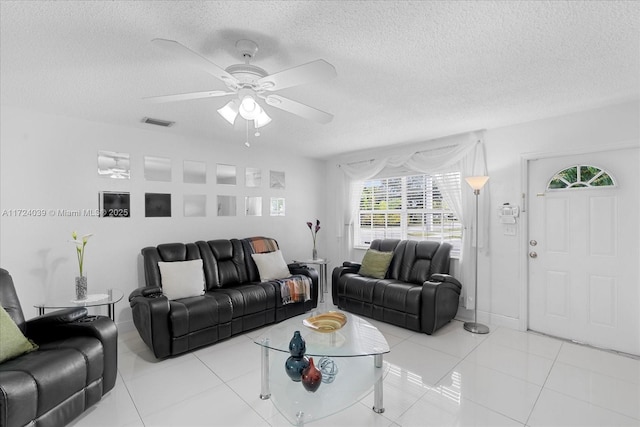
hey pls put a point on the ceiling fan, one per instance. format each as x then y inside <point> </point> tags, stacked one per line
<point>248,83</point>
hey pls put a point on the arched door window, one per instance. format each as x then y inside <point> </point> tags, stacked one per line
<point>580,176</point>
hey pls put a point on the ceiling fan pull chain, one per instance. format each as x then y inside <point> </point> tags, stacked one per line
<point>246,142</point>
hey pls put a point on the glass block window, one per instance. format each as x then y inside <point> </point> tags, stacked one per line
<point>580,176</point>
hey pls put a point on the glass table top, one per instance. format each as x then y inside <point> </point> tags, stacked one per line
<point>356,338</point>
<point>108,296</point>
<point>356,350</point>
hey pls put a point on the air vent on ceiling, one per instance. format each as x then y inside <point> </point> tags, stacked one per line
<point>158,122</point>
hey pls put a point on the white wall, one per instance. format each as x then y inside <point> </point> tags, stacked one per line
<point>500,288</point>
<point>50,162</point>
<point>501,273</point>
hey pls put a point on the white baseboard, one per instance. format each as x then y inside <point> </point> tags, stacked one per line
<point>490,319</point>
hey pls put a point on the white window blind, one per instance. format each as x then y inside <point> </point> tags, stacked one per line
<point>408,207</point>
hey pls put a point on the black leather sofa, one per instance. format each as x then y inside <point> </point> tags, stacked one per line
<point>74,366</point>
<point>416,292</point>
<point>234,301</point>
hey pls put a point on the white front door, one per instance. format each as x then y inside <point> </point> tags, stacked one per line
<point>583,250</point>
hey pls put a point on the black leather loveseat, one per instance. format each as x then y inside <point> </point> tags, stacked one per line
<point>416,291</point>
<point>234,300</point>
<point>74,365</point>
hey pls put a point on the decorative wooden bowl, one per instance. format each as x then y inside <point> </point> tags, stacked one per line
<point>330,321</point>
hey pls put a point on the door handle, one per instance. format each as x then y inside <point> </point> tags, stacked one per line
<point>533,242</point>
<point>533,254</point>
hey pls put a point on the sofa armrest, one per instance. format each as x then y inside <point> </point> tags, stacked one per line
<point>440,301</point>
<point>439,277</point>
<point>39,325</point>
<point>347,267</point>
<point>67,323</point>
<point>354,265</point>
<point>299,268</point>
<point>147,291</point>
<point>150,310</point>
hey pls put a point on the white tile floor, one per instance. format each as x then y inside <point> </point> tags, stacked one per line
<point>452,378</point>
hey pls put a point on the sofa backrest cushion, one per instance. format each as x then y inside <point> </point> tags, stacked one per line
<point>225,262</point>
<point>413,261</point>
<point>257,245</point>
<point>384,245</point>
<point>9,300</point>
<point>166,252</point>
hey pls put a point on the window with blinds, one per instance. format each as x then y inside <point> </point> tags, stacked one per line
<point>408,208</point>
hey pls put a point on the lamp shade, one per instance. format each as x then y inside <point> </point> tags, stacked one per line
<point>476,182</point>
<point>262,119</point>
<point>229,111</point>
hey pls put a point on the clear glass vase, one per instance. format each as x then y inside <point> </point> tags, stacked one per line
<point>81,287</point>
<point>314,254</point>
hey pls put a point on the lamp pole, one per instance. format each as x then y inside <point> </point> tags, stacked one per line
<point>476,182</point>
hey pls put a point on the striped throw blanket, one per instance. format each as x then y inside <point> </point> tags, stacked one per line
<point>296,288</point>
<point>261,245</point>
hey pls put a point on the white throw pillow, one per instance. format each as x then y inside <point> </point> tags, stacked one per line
<point>182,279</point>
<point>271,265</point>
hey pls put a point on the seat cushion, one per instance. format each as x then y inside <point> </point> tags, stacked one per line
<point>356,287</point>
<point>249,298</point>
<point>37,382</point>
<point>89,347</point>
<point>397,295</point>
<point>189,315</point>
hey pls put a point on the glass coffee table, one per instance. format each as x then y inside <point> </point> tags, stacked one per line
<point>356,351</point>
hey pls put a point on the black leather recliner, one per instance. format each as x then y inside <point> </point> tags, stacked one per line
<point>416,293</point>
<point>235,300</point>
<point>74,366</point>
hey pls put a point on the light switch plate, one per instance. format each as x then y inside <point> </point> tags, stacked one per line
<point>509,230</point>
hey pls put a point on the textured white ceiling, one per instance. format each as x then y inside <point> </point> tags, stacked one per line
<point>407,71</point>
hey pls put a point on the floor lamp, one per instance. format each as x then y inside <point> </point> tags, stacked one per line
<point>476,183</point>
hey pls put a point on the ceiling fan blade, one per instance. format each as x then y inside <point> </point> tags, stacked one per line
<point>307,73</point>
<point>188,96</point>
<point>187,55</point>
<point>299,109</point>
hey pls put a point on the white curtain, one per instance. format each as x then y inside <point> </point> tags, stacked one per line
<point>459,153</point>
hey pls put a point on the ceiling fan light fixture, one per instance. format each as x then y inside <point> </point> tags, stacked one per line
<point>248,105</point>
<point>229,112</point>
<point>263,119</point>
<point>249,108</point>
<point>250,82</point>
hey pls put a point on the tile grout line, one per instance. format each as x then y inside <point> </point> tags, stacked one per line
<point>503,373</point>
<point>542,388</point>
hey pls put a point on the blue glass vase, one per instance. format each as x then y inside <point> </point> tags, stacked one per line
<point>297,362</point>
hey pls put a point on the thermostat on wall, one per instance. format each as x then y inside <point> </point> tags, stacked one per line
<point>508,213</point>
